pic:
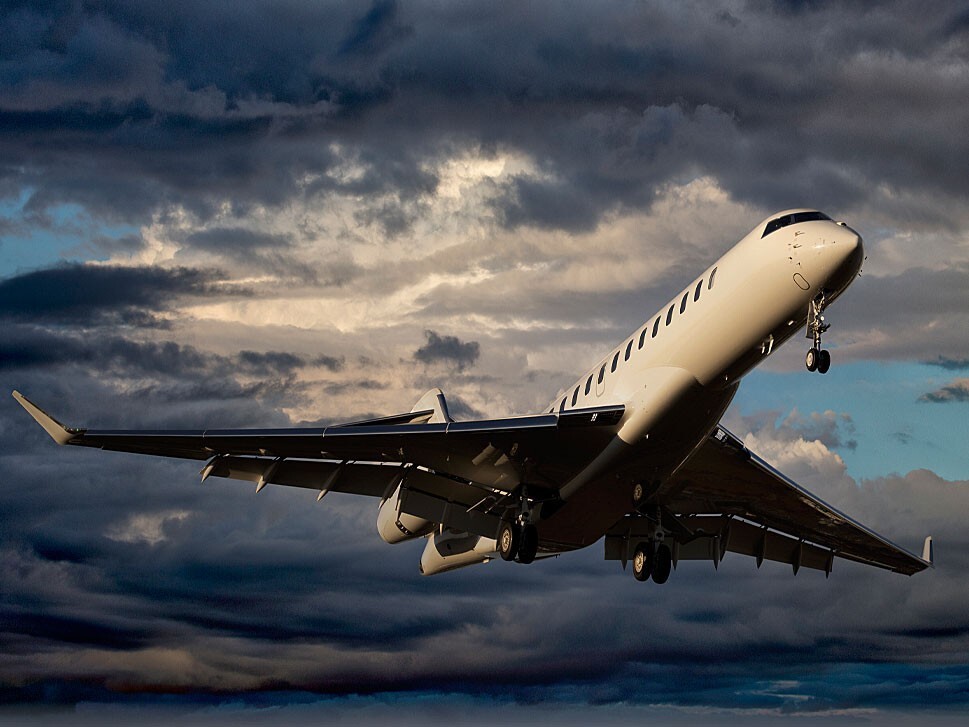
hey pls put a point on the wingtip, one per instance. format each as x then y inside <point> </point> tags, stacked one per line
<point>928,554</point>
<point>57,431</point>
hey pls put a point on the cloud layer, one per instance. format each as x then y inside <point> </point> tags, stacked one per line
<point>303,213</point>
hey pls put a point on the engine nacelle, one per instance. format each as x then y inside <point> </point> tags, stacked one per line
<point>447,551</point>
<point>393,526</point>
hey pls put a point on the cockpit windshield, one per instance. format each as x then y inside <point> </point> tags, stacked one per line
<point>792,219</point>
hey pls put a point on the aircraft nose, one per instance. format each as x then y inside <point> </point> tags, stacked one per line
<point>840,256</point>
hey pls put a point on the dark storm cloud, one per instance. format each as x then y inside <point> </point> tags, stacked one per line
<point>951,364</point>
<point>132,554</point>
<point>31,347</point>
<point>374,31</point>
<point>610,102</point>
<point>120,574</point>
<point>908,309</point>
<point>448,349</point>
<point>88,294</point>
<point>235,241</point>
<point>271,361</point>
<point>954,391</point>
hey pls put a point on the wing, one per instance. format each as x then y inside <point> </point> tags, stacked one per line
<point>755,510</point>
<point>449,467</point>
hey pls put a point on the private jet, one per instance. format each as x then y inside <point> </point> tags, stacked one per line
<point>632,453</point>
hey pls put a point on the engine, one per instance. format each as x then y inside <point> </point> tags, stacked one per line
<point>396,527</point>
<point>448,550</point>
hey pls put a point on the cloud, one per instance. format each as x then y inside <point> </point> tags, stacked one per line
<point>374,31</point>
<point>145,527</point>
<point>92,294</point>
<point>954,391</point>
<point>628,100</point>
<point>950,364</point>
<point>235,241</point>
<point>289,198</point>
<point>448,349</point>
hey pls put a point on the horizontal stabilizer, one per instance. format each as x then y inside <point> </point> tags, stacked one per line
<point>58,432</point>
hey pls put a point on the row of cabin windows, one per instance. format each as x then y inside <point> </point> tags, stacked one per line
<point>642,340</point>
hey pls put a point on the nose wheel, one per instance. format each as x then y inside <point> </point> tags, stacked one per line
<point>817,358</point>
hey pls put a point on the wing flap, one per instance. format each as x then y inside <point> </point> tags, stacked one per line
<point>711,537</point>
<point>725,478</point>
<point>423,494</point>
<point>492,452</point>
<point>358,478</point>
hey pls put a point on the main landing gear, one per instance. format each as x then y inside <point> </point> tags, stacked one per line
<point>654,559</point>
<point>518,540</point>
<point>817,359</point>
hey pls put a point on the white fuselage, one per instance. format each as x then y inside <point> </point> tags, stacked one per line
<point>677,372</point>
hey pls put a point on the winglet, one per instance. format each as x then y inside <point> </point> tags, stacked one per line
<point>927,553</point>
<point>58,432</point>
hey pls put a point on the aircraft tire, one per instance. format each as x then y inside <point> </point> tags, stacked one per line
<point>509,540</point>
<point>663,564</point>
<point>824,361</point>
<point>643,561</point>
<point>811,359</point>
<point>528,547</point>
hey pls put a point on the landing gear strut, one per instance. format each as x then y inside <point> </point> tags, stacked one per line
<point>817,359</point>
<point>518,540</point>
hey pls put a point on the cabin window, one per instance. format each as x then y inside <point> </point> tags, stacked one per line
<point>575,395</point>
<point>615,362</point>
<point>629,350</point>
<point>588,385</point>
<point>669,314</point>
<point>642,337</point>
<point>656,325</point>
<point>602,373</point>
<point>696,293</point>
<point>713,275</point>
<point>683,302</point>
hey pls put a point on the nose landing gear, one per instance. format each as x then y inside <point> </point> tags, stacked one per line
<point>817,358</point>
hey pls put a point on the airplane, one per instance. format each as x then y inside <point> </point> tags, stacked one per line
<point>632,453</point>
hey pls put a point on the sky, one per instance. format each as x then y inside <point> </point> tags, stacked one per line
<point>297,213</point>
